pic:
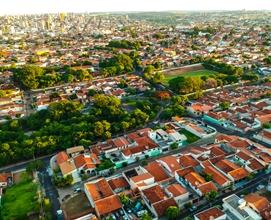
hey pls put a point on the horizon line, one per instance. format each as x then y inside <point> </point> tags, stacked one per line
<point>136,11</point>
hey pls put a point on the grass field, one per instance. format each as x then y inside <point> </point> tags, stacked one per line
<point>197,73</point>
<point>191,138</point>
<point>19,200</point>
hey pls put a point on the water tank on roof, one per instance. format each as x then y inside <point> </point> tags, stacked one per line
<point>242,203</point>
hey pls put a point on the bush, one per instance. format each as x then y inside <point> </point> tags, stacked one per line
<point>174,146</point>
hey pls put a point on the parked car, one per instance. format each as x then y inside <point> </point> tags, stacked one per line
<point>59,214</point>
<point>77,190</point>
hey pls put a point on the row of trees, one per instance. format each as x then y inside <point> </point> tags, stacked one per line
<point>33,77</point>
<point>186,85</point>
<point>125,44</point>
<point>63,125</point>
<point>224,68</point>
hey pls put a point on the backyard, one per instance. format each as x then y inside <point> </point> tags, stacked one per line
<point>20,200</point>
<point>196,73</point>
<point>191,138</point>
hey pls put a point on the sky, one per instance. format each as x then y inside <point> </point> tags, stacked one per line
<point>54,6</point>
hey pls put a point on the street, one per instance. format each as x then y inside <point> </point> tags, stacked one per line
<point>23,165</point>
<point>50,191</point>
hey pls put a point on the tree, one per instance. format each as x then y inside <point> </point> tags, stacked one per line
<point>158,77</point>
<point>28,75</point>
<point>172,212</point>
<point>117,64</point>
<point>251,77</point>
<point>146,216</point>
<point>267,60</point>
<point>124,199</point>
<point>105,164</point>
<point>144,163</point>
<point>197,95</point>
<point>185,85</point>
<point>224,105</point>
<point>188,205</point>
<point>210,196</point>
<point>140,117</point>
<point>208,177</point>
<point>125,125</point>
<point>64,109</point>
<point>124,164</point>
<point>36,165</point>
<point>266,125</point>
<point>149,70</point>
<point>210,83</point>
<point>92,92</point>
<point>174,146</point>
<point>180,100</point>
<point>62,181</point>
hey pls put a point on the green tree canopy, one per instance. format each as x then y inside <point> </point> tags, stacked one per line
<point>172,212</point>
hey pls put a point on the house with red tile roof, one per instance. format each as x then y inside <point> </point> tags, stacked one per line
<point>86,163</point>
<point>73,151</point>
<point>181,173</point>
<point>157,200</point>
<point>118,184</point>
<point>189,177</point>
<point>259,204</point>
<point>188,161</point>
<point>179,193</point>
<point>61,157</point>
<point>75,164</point>
<point>66,166</point>
<point>207,188</point>
<point>231,170</point>
<point>139,178</point>
<point>264,136</point>
<point>170,163</point>
<point>254,166</point>
<point>223,138</point>
<point>266,158</point>
<point>143,146</point>
<point>158,172</point>
<point>198,109</point>
<point>216,151</point>
<point>251,162</point>
<point>211,214</point>
<point>217,177</point>
<point>102,197</point>
<point>5,179</point>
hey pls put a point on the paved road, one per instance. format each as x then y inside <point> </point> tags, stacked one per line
<point>23,165</point>
<point>50,191</point>
<point>249,186</point>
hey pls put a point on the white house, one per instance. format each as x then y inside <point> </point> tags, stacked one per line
<point>239,208</point>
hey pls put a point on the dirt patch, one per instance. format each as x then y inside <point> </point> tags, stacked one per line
<point>184,69</point>
<point>77,206</point>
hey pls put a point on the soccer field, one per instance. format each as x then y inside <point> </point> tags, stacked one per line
<point>197,73</point>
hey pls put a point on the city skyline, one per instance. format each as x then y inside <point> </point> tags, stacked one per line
<point>14,7</point>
